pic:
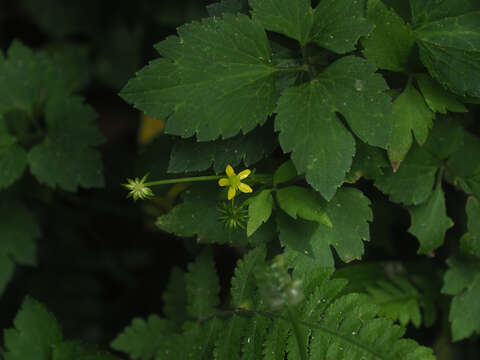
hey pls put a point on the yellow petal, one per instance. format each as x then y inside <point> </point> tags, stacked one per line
<point>244,188</point>
<point>243,174</point>
<point>231,193</point>
<point>223,182</point>
<point>229,171</point>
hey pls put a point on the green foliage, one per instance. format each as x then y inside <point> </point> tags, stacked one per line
<point>320,144</point>
<point>19,231</point>
<point>66,157</point>
<point>37,335</point>
<point>342,327</point>
<point>352,116</point>
<point>462,280</point>
<point>141,339</point>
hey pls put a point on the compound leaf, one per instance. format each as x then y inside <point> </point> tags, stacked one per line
<point>413,183</point>
<point>143,338</point>
<point>392,42</point>
<point>19,230</point>
<point>429,222</point>
<point>338,24</point>
<point>35,335</point>
<point>243,282</point>
<point>410,114</point>
<point>202,286</point>
<point>462,280</point>
<point>291,18</point>
<point>66,157</point>
<point>321,146</point>
<point>450,49</point>
<point>175,297</point>
<point>222,80</point>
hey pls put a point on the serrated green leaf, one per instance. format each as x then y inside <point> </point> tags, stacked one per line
<point>304,203</point>
<point>338,24</point>
<point>233,333</point>
<point>429,222</point>
<point>199,215</point>
<point>202,286</point>
<point>66,158</point>
<point>450,50</point>
<point>410,114</point>
<point>35,335</point>
<point>291,18</point>
<point>13,158</point>
<point>243,282</point>
<point>175,297</point>
<point>349,213</point>
<point>259,210</point>
<point>462,280</point>
<point>284,173</point>
<point>188,155</point>
<point>226,6</point>
<point>75,350</point>
<point>142,339</point>
<point>436,97</point>
<point>446,137</point>
<point>413,183</point>
<point>27,79</point>
<point>368,162</point>
<point>255,336</point>
<point>276,342</point>
<point>391,44</point>
<point>19,230</point>
<point>470,244</point>
<point>424,11</point>
<point>222,83</point>
<point>320,144</point>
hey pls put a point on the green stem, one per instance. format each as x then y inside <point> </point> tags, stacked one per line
<point>438,181</point>
<point>298,334</point>
<point>183,180</point>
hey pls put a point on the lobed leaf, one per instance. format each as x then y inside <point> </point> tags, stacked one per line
<point>321,146</point>
<point>410,115</point>
<point>66,157</point>
<point>338,24</point>
<point>413,183</point>
<point>307,244</point>
<point>291,18</point>
<point>450,49</point>
<point>391,44</point>
<point>429,222</point>
<point>220,83</point>
<point>462,280</point>
<point>189,155</point>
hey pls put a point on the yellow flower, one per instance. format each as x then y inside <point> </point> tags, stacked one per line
<point>234,181</point>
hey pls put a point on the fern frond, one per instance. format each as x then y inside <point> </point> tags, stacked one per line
<point>324,325</point>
